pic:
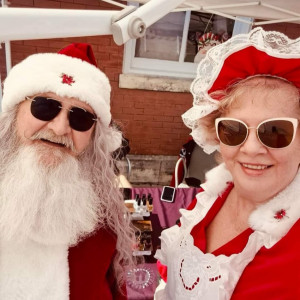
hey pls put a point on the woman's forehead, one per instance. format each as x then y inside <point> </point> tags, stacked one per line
<point>274,92</point>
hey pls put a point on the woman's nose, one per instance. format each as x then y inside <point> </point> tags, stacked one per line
<point>252,145</point>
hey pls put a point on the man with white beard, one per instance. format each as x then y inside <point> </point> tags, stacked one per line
<point>64,229</point>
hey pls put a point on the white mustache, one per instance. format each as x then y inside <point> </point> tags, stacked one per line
<point>52,137</point>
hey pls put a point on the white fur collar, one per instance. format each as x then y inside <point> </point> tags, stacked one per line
<point>274,218</point>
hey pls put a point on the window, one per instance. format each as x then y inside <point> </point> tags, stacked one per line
<point>175,44</point>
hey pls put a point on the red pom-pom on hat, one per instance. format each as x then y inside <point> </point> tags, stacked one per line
<point>80,50</point>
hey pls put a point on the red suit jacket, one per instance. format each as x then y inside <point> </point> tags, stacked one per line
<point>90,267</point>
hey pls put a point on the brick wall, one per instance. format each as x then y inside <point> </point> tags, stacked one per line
<point>150,119</point>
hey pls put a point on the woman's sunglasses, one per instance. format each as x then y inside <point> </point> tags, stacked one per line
<point>46,109</point>
<point>273,133</point>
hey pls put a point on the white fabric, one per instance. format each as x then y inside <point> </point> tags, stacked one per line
<point>32,271</point>
<point>273,43</point>
<point>186,262</point>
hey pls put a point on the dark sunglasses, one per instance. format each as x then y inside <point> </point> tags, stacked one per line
<point>273,133</point>
<point>46,109</point>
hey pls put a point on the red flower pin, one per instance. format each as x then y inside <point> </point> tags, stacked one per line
<point>280,214</point>
<point>67,79</point>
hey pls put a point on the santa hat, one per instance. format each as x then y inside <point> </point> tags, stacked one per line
<point>257,53</point>
<point>72,72</point>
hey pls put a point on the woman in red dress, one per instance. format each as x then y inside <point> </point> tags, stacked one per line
<point>240,237</point>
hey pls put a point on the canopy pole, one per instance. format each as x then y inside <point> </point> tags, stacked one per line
<point>7,45</point>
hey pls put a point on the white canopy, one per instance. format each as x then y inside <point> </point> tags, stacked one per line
<point>274,11</point>
<point>34,23</point>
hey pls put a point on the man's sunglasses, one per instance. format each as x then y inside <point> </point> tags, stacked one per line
<point>46,109</point>
<point>273,133</point>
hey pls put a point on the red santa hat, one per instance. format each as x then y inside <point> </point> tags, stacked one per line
<point>72,72</point>
<point>257,53</point>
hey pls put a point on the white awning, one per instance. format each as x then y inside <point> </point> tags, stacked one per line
<point>33,23</point>
<point>273,11</point>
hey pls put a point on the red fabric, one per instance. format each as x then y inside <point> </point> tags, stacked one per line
<point>251,61</point>
<point>80,50</point>
<point>91,275</point>
<point>272,274</point>
<point>162,269</point>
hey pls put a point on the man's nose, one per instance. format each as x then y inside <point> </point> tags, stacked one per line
<point>60,124</point>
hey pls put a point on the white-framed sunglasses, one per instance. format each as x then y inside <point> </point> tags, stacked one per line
<point>273,133</point>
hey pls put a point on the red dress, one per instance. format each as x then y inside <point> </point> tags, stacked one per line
<point>274,271</point>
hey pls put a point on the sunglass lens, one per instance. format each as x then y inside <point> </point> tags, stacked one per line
<point>80,119</point>
<point>276,134</point>
<point>231,132</point>
<point>44,109</point>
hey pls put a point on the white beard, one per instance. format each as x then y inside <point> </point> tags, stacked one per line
<point>50,205</point>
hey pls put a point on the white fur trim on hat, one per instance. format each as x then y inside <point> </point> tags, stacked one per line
<point>42,73</point>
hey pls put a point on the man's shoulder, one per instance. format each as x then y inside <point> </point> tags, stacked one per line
<point>102,239</point>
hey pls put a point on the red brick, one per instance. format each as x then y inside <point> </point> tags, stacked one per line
<point>101,57</point>
<point>88,2</point>
<point>109,49</point>
<point>47,4</point>
<point>72,6</point>
<point>110,63</point>
<point>142,117</point>
<point>21,3</point>
<point>117,110</point>
<point>130,111</point>
<point>93,7</point>
<point>163,118</point>
<point>43,43</point>
<point>103,41</point>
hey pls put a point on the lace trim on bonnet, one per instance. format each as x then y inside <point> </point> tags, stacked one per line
<point>273,43</point>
